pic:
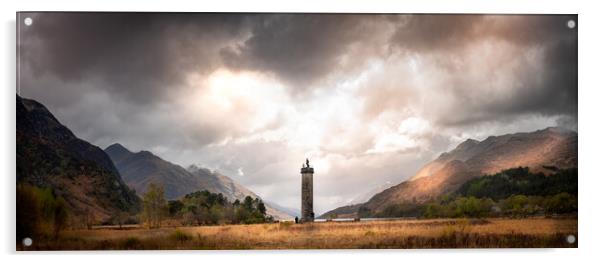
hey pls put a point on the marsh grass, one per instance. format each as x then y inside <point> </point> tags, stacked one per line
<point>440,233</point>
<point>181,236</point>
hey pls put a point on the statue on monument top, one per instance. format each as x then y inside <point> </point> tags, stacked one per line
<point>307,162</point>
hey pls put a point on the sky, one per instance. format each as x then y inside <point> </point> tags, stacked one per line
<point>369,99</point>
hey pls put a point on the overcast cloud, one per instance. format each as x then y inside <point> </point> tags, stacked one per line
<point>368,98</point>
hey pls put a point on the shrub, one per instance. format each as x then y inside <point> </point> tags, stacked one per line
<point>561,203</point>
<point>39,212</point>
<point>131,243</point>
<point>180,236</point>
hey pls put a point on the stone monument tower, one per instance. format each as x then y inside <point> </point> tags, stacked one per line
<point>307,193</point>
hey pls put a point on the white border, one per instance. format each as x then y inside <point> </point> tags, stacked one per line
<point>589,23</point>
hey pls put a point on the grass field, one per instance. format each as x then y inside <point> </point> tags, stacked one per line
<point>441,233</point>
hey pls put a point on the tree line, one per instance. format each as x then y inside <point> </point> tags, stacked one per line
<point>201,208</point>
<point>514,192</point>
<point>41,213</point>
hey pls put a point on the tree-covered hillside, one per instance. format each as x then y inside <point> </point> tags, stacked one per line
<point>514,192</point>
<point>521,181</point>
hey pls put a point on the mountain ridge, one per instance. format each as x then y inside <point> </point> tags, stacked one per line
<point>50,155</point>
<point>538,150</point>
<point>139,169</point>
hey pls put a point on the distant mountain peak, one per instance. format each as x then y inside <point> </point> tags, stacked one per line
<point>117,147</point>
<point>117,151</point>
<point>467,144</point>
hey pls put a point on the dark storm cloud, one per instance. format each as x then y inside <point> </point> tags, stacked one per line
<point>301,48</point>
<point>429,33</point>
<point>144,55</point>
<point>434,32</point>
<point>548,88</point>
<point>555,93</point>
<point>111,75</point>
<point>139,55</point>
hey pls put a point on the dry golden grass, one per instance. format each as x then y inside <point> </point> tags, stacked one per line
<point>440,233</point>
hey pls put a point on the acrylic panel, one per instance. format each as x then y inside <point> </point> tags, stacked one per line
<point>165,131</point>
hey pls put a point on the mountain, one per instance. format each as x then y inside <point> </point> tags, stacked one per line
<point>367,195</point>
<point>219,183</point>
<point>542,151</point>
<point>290,212</point>
<point>355,203</point>
<point>50,155</point>
<point>348,211</point>
<point>142,168</point>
